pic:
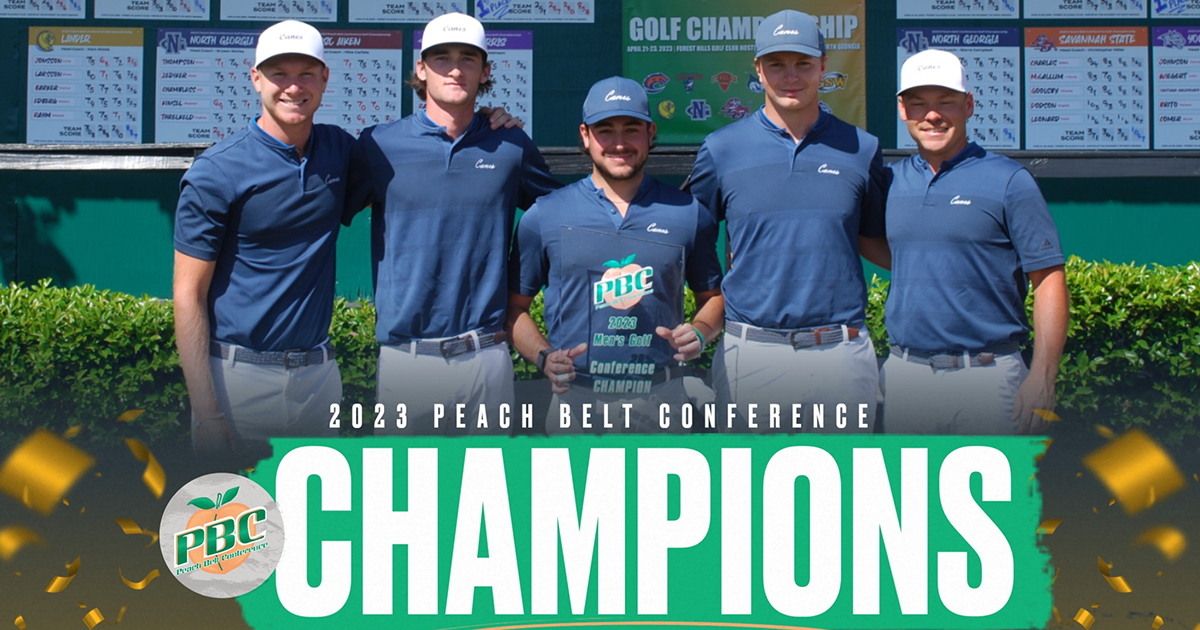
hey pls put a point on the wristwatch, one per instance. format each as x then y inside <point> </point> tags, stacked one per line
<point>541,360</point>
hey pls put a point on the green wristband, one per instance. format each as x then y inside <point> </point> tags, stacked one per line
<point>699,336</point>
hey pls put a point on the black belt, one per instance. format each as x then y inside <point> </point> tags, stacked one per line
<point>287,358</point>
<point>956,360</point>
<point>452,346</point>
<point>661,375</point>
<point>798,339</point>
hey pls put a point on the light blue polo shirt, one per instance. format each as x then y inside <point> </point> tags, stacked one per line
<point>793,213</point>
<point>658,214</point>
<point>962,242</point>
<point>442,222</point>
<point>269,219</point>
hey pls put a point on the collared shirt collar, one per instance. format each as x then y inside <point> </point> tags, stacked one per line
<point>822,122</point>
<point>432,127</point>
<point>972,150</point>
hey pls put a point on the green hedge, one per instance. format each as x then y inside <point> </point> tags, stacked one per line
<point>79,356</point>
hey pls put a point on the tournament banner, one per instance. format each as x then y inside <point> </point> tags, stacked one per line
<point>628,287</point>
<point>696,60</point>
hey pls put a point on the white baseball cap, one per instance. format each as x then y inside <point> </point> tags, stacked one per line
<point>289,37</point>
<point>940,68</point>
<point>453,28</point>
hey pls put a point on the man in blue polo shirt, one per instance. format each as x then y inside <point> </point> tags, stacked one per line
<point>612,251</point>
<point>802,196</point>
<point>444,188</point>
<point>255,230</point>
<point>968,230</point>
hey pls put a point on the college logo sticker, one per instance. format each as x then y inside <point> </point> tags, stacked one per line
<point>655,83</point>
<point>221,535</point>
<point>666,109</point>
<point>724,79</point>
<point>45,41</point>
<point>832,81</point>
<point>623,284</point>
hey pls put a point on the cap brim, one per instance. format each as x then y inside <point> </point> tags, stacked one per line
<point>933,84</point>
<point>302,54</point>
<point>796,48</point>
<point>595,118</point>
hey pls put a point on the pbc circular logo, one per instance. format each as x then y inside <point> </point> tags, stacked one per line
<point>221,535</point>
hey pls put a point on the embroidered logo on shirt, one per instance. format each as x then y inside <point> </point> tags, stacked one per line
<point>482,164</point>
<point>653,227</point>
<point>330,180</point>
<point>959,201</point>
<point>824,168</point>
<point>1046,244</point>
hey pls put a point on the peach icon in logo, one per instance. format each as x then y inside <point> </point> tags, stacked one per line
<point>225,514</point>
<point>623,284</point>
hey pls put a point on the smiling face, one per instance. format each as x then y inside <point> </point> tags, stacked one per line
<point>791,81</point>
<point>291,87</point>
<point>937,120</point>
<point>619,146</point>
<point>453,74</point>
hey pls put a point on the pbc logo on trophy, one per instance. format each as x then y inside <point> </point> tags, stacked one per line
<point>623,284</point>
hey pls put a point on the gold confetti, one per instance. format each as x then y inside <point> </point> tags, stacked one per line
<point>1085,619</point>
<point>1095,605</point>
<point>1055,578</point>
<point>131,528</point>
<point>94,617</point>
<point>1169,540</point>
<point>82,509</point>
<point>1049,525</point>
<point>154,477</point>
<point>1078,474</point>
<point>59,583</point>
<point>1160,574</point>
<point>1045,446</point>
<point>72,432</point>
<point>42,469</point>
<point>16,574</point>
<point>81,604</point>
<point>137,586</point>
<point>65,503</point>
<point>1105,432</point>
<point>13,538</point>
<point>97,475</point>
<point>1047,415</point>
<point>20,622</point>
<point>1117,582</point>
<point>131,415</point>
<point>1157,623</point>
<point>1057,617</point>
<point>1112,501</point>
<point>1196,476</point>
<point>1136,470</point>
<point>1095,511</point>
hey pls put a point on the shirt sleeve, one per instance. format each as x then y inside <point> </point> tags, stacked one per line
<point>703,265</point>
<point>1029,224</point>
<point>528,264</point>
<point>703,183</point>
<point>359,186</point>
<point>872,222</point>
<point>536,179</point>
<point>203,212</point>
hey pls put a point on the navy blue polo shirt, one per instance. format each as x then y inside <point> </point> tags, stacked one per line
<point>269,218</point>
<point>962,242</point>
<point>442,221</point>
<point>793,212</point>
<point>658,214</point>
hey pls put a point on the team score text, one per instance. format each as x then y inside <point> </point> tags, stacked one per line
<point>622,323</point>
<point>356,416</point>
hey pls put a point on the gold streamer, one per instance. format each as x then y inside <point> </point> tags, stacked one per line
<point>94,617</point>
<point>1158,622</point>
<point>1117,582</point>
<point>1085,619</point>
<point>1055,578</point>
<point>1049,526</point>
<point>13,538</point>
<point>1169,540</point>
<point>154,477</point>
<point>42,469</point>
<point>59,583</point>
<point>131,528</point>
<point>137,586</point>
<point>19,622</point>
<point>1057,617</point>
<point>1045,447</point>
<point>1136,470</point>
<point>131,415</point>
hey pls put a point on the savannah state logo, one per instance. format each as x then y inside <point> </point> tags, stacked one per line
<point>623,284</point>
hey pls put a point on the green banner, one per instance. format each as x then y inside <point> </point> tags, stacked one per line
<point>693,530</point>
<point>696,60</point>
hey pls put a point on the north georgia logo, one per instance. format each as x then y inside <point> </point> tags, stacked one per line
<point>832,81</point>
<point>219,547</point>
<point>655,83</point>
<point>699,110</point>
<point>623,284</point>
